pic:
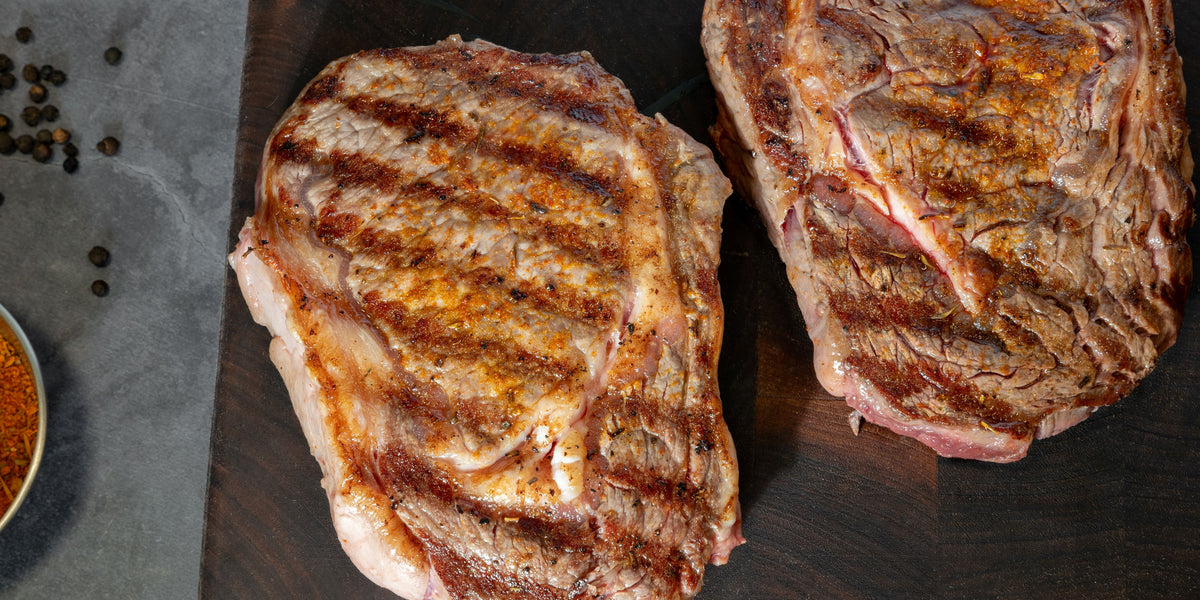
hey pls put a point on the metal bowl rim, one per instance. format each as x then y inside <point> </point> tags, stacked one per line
<point>36,461</point>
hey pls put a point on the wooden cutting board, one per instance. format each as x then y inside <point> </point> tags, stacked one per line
<point>1109,509</point>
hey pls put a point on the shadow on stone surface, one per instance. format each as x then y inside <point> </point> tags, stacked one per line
<point>52,506</point>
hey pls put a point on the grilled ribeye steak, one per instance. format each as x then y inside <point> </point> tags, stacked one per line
<point>981,204</point>
<point>492,286</point>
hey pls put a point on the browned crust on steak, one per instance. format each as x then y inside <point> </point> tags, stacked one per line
<point>983,204</point>
<point>524,252</point>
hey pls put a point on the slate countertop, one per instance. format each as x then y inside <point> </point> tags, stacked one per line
<point>116,510</point>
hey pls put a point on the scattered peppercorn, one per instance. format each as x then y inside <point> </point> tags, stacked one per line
<point>31,115</point>
<point>6,63</point>
<point>24,34</point>
<point>100,287</point>
<point>25,144</point>
<point>112,56</point>
<point>57,78</point>
<point>37,93</point>
<point>50,113</point>
<point>61,136</point>
<point>44,136</point>
<point>1,198</point>
<point>71,164</point>
<point>70,150</point>
<point>46,71</point>
<point>5,124</point>
<point>109,145</point>
<point>30,74</point>
<point>7,145</point>
<point>99,256</point>
<point>7,81</point>
<point>42,152</point>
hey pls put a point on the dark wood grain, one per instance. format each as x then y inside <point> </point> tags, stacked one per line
<point>1109,509</point>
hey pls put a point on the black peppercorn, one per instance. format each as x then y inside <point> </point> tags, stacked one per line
<point>1,198</point>
<point>71,164</point>
<point>61,136</point>
<point>5,123</point>
<point>31,115</point>
<point>24,34</point>
<point>6,64</point>
<point>7,81</point>
<point>37,93</point>
<point>99,256</point>
<point>100,288</point>
<point>70,150</point>
<point>44,136</point>
<point>25,144</point>
<point>46,71</point>
<point>57,78</point>
<point>112,56</point>
<point>50,113</point>
<point>30,73</point>
<point>109,146</point>
<point>7,144</point>
<point>42,152</point>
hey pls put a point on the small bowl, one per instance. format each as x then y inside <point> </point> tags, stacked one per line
<point>11,332</point>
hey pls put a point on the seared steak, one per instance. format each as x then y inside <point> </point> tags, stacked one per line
<point>492,286</point>
<point>981,204</point>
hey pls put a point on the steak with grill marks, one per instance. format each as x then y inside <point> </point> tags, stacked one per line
<point>492,289</point>
<point>981,204</point>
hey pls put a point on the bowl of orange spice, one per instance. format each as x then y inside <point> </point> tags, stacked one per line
<point>22,416</point>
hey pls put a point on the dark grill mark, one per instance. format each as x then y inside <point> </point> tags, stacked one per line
<point>333,226</point>
<point>355,170</point>
<point>517,75</point>
<point>584,307</point>
<point>323,89</point>
<point>551,160</point>
<point>285,149</point>
<point>422,121</point>
<point>560,541</point>
<point>471,577</point>
<point>399,471</point>
<point>432,336</point>
<point>557,163</point>
<point>573,304</point>
<point>605,250</point>
<point>901,384</point>
<point>767,92</point>
<point>592,245</point>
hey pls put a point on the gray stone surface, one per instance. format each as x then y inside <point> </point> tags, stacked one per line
<point>117,508</point>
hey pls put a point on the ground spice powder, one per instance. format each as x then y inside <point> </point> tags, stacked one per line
<point>18,422</point>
